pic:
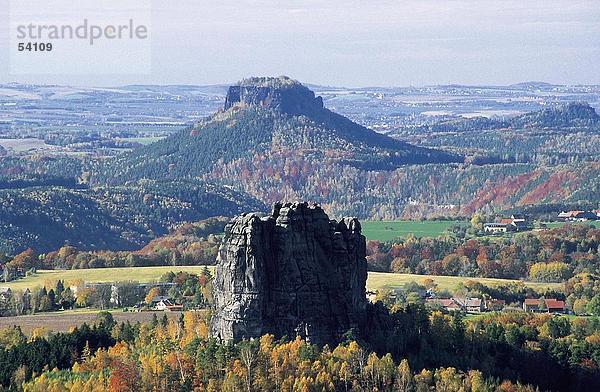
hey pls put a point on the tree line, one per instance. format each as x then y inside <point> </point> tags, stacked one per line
<point>553,255</point>
<point>420,351</point>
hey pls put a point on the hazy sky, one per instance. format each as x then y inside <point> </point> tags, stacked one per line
<point>360,43</point>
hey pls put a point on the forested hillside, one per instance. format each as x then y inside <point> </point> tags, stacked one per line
<point>557,135</point>
<point>574,116</point>
<point>45,218</point>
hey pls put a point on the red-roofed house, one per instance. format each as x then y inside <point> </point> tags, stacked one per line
<point>447,303</point>
<point>541,305</point>
<point>578,216</point>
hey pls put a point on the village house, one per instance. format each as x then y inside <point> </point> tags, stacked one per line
<point>495,228</point>
<point>541,305</point>
<point>447,303</point>
<point>165,304</point>
<point>469,305</point>
<point>577,216</point>
<point>515,223</point>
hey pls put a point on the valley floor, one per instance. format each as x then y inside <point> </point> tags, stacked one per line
<point>379,280</point>
<point>63,321</point>
<point>375,281</point>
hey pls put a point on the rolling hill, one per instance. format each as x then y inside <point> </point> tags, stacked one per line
<point>573,116</point>
<point>115,218</point>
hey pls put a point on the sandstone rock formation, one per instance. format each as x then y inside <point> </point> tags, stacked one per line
<point>281,94</point>
<point>293,273</point>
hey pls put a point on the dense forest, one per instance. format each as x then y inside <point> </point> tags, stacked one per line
<point>557,135</point>
<point>421,351</point>
<point>119,218</point>
<point>552,255</point>
<point>189,244</point>
<point>243,132</point>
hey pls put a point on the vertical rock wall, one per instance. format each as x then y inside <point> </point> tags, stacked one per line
<point>293,273</point>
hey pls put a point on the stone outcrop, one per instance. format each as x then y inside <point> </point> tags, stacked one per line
<point>282,94</point>
<point>292,273</point>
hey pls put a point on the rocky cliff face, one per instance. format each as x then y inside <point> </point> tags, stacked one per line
<point>293,273</point>
<point>282,94</point>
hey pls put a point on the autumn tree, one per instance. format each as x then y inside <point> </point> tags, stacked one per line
<point>152,293</point>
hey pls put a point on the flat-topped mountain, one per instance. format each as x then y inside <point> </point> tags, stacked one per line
<point>263,117</point>
<point>282,94</point>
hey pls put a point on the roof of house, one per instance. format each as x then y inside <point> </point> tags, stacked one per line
<point>468,302</point>
<point>555,304</point>
<point>474,302</point>
<point>551,303</point>
<point>586,214</point>
<point>445,302</point>
<point>456,303</point>
<point>506,221</point>
<point>520,224</point>
<point>568,214</point>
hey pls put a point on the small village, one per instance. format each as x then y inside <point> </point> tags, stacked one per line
<point>478,305</point>
<point>520,223</point>
<point>471,304</point>
<point>172,293</point>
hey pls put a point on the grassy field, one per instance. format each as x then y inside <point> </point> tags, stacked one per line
<point>389,230</point>
<point>379,280</point>
<point>552,225</point>
<point>376,280</point>
<point>138,274</point>
<point>20,145</point>
<point>144,140</point>
<point>64,320</point>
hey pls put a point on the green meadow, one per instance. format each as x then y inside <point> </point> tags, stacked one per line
<point>389,230</point>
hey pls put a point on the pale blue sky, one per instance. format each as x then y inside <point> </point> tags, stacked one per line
<point>360,43</point>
